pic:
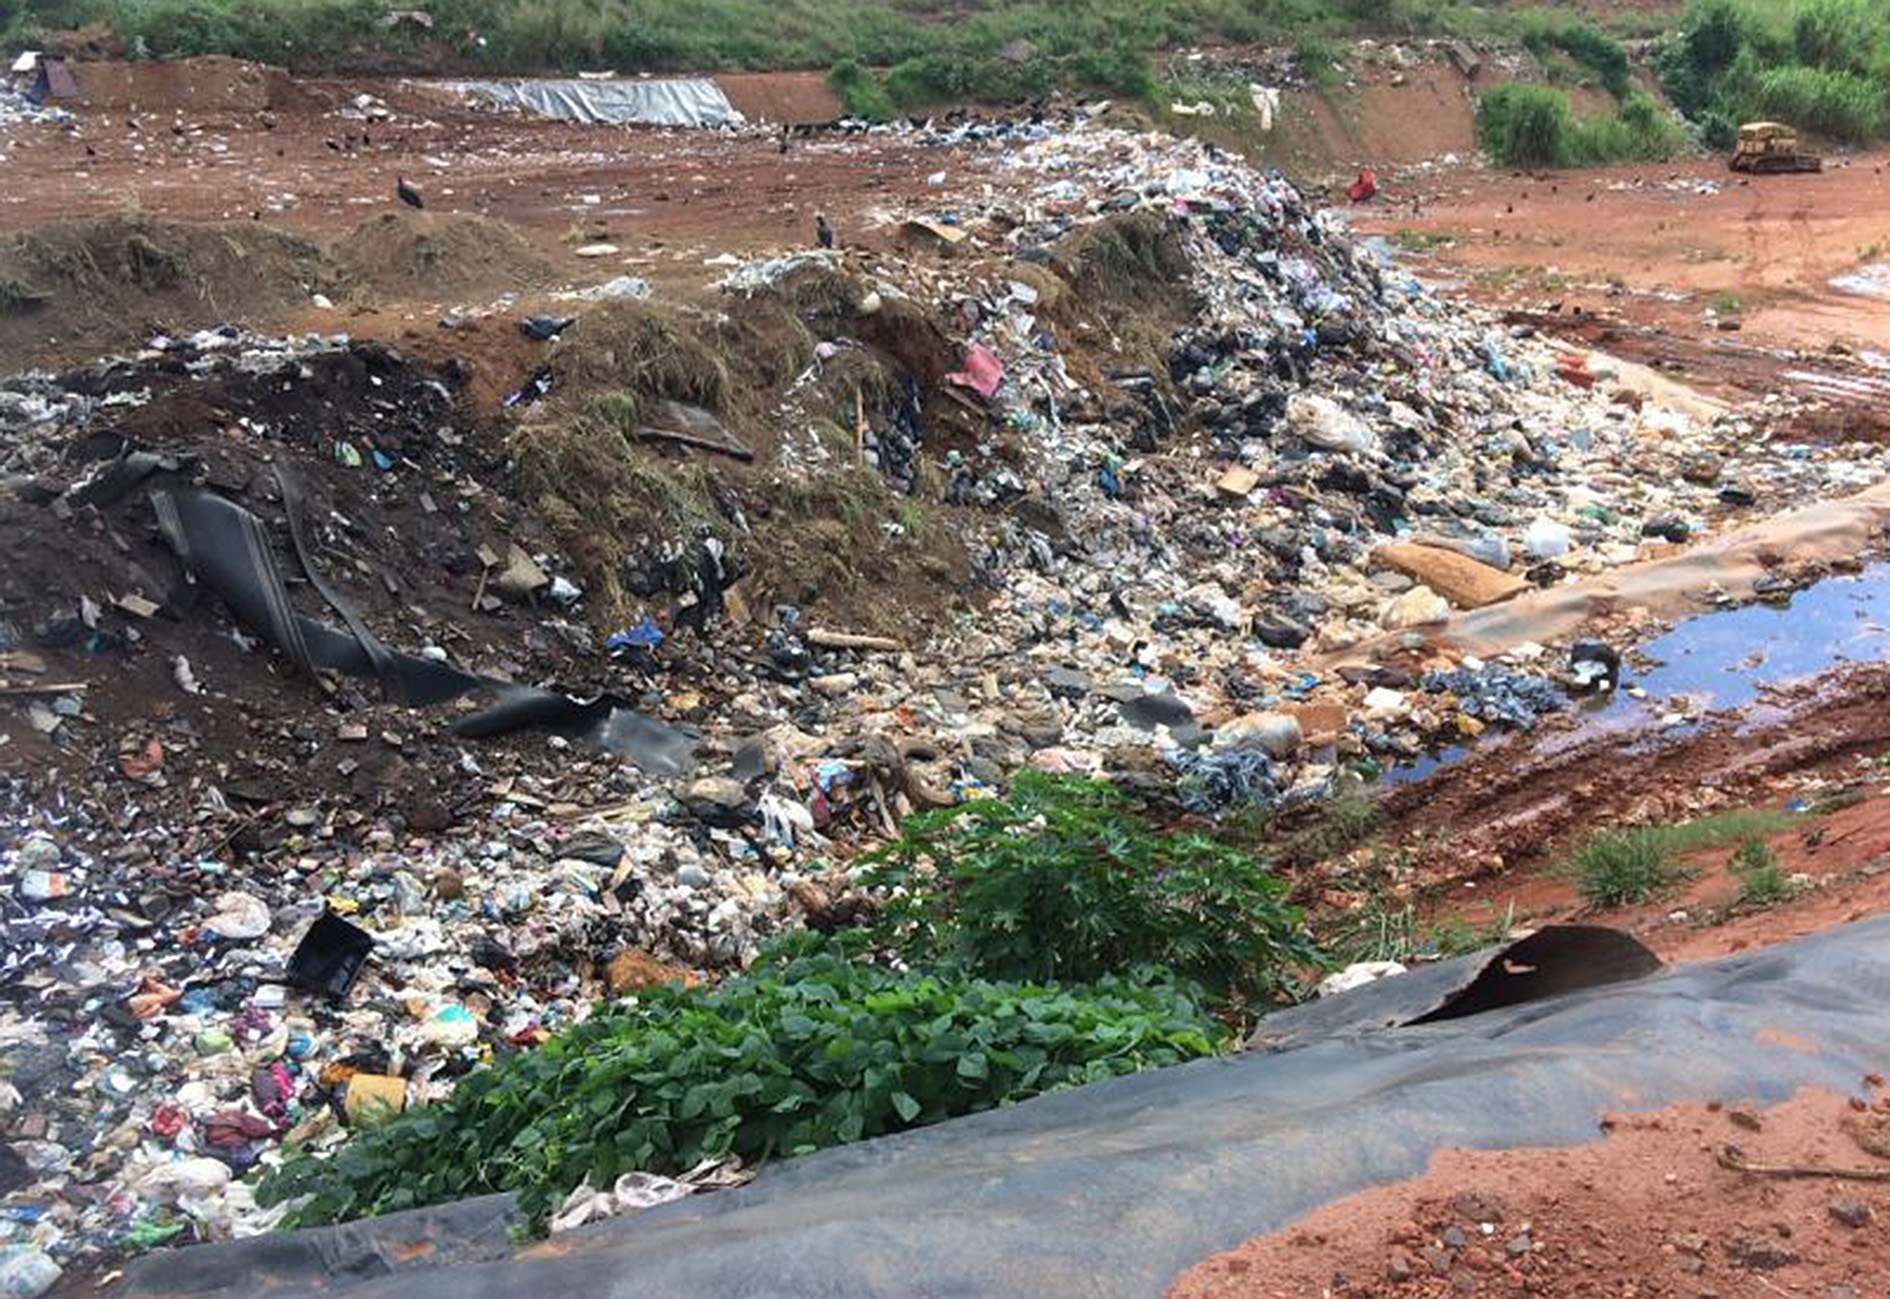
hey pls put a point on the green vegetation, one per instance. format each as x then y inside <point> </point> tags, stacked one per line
<point>811,1048</point>
<point>1820,65</point>
<point>1619,868</point>
<point>1723,830</point>
<point>1037,942</point>
<point>1724,304</point>
<point>1622,867</point>
<point>1060,881</point>
<point>931,51</point>
<point>1382,931</point>
<point>860,93</point>
<point>1422,241</point>
<point>1546,31</point>
<point>1532,126</point>
<point>1762,882</point>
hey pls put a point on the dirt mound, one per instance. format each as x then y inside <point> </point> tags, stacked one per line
<point>792,97</point>
<point>619,498</point>
<point>193,87</point>
<point>92,41</point>
<point>419,254</point>
<point>381,445</point>
<point>1652,1209</point>
<point>108,284</point>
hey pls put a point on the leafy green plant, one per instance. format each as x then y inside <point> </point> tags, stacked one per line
<point>1724,304</point>
<point>1762,882</point>
<point>810,1048</point>
<point>1619,868</point>
<point>1060,881</point>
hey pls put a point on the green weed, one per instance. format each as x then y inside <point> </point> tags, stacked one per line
<point>1624,867</point>
<point>1060,881</point>
<point>1619,868</point>
<point>1762,883</point>
<point>1532,126</point>
<point>1381,932</point>
<point>1820,65</point>
<point>812,1047</point>
<point>1723,830</point>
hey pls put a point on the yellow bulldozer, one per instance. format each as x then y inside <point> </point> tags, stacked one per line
<point>1766,148</point>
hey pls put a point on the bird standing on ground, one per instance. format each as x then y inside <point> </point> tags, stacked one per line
<point>408,194</point>
<point>823,233</point>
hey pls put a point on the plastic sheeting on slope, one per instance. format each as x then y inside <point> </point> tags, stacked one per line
<point>1117,1188</point>
<point>226,547</point>
<point>692,102</point>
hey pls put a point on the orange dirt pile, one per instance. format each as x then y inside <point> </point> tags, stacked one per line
<point>1648,1211</point>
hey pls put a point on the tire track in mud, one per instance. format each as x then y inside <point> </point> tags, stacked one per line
<point>1522,800</point>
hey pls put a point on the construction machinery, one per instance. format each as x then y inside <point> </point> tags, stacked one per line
<point>1766,148</point>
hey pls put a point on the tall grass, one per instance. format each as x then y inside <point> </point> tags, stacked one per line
<point>1533,126</point>
<point>1822,65</point>
<point>1545,31</point>
<point>935,49</point>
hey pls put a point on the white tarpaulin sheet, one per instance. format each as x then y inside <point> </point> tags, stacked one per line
<point>692,102</point>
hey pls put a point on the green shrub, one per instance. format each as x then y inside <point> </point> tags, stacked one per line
<point>1639,131</point>
<point>1524,126</point>
<point>1839,104</point>
<point>1619,868</point>
<point>1531,126</point>
<point>808,1049</point>
<point>1060,881</point>
<point>1821,65</point>
<point>1545,30</point>
<point>860,93</point>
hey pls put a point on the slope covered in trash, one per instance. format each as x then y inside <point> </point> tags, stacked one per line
<point>1132,464</point>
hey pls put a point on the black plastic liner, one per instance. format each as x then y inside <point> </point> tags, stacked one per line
<point>1117,1188</point>
<point>225,546</point>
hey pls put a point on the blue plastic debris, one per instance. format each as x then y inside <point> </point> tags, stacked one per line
<point>645,635</point>
<point>1513,699</point>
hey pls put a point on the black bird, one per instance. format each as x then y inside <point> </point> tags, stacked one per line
<point>784,139</point>
<point>823,233</point>
<point>408,194</point>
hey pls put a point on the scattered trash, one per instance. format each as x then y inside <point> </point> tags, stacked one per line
<point>329,957</point>
<point>1357,976</point>
<point>543,328</point>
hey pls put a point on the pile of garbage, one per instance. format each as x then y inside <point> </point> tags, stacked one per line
<point>1221,471</point>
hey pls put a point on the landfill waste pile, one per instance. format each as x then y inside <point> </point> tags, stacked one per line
<point>331,776</point>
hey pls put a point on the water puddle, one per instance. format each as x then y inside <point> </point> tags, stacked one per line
<point>1871,280</point>
<point>1725,660</point>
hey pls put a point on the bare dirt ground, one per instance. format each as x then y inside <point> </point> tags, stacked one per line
<point>1659,245</point>
<point>309,165</point>
<point>1649,1211</point>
